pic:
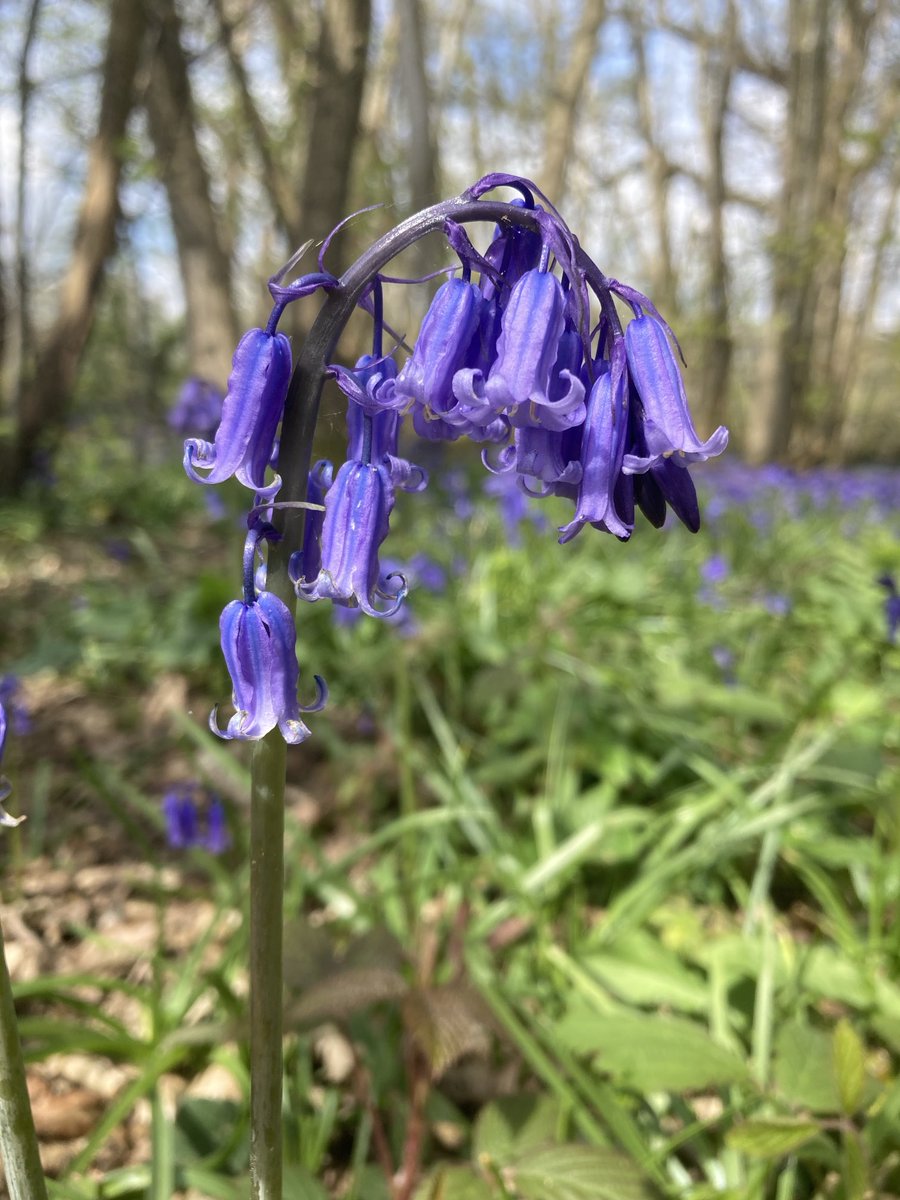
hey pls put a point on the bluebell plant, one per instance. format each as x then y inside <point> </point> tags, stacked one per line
<point>522,351</point>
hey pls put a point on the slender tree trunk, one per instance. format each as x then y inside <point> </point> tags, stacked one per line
<point>718,69</point>
<point>340,71</point>
<point>275,179</point>
<point>45,401</point>
<point>663,271</point>
<point>25,342</point>
<point>205,266</point>
<point>795,246</point>
<point>565,97</point>
<point>422,168</point>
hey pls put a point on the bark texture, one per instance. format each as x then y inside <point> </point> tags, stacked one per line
<point>212,326</point>
<point>565,96</point>
<point>44,401</point>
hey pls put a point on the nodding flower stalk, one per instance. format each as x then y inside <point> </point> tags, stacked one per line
<point>523,349</point>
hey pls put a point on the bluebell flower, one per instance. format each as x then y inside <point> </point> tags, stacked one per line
<point>253,407</point>
<point>357,518</point>
<point>519,381</point>
<point>320,480</point>
<point>601,501</point>
<point>184,829</point>
<point>358,506</point>
<point>664,481</point>
<point>258,642</point>
<point>667,426</point>
<point>450,342</point>
<point>198,408</point>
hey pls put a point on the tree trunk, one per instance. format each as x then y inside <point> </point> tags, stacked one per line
<point>45,400</point>
<point>564,98</point>
<point>718,69</point>
<point>275,178</point>
<point>340,70</point>
<point>663,271</point>
<point>422,170</point>
<point>212,327</point>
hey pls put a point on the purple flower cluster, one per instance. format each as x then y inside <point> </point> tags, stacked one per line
<point>768,493</point>
<point>522,350</point>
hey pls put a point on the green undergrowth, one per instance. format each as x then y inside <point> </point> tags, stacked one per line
<point>599,900</point>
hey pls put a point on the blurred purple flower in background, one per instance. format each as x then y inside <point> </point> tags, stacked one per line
<point>891,606</point>
<point>185,830</point>
<point>723,657</point>
<point>17,714</point>
<point>715,569</point>
<point>5,787</point>
<point>198,409</point>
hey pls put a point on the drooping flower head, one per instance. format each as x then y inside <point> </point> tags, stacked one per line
<point>359,502</point>
<point>258,642</point>
<point>253,407</point>
<point>522,348</point>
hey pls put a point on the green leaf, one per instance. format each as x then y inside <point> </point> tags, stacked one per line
<point>849,1058</point>
<point>804,1071</point>
<point>639,983</point>
<point>651,1053</point>
<point>825,971</point>
<point>512,1125</point>
<point>203,1127</point>
<point>454,1183</point>
<point>300,1185</point>
<point>574,1172</point>
<point>888,1029</point>
<point>855,1176</point>
<point>162,1182</point>
<point>770,1137</point>
<point>214,1185</point>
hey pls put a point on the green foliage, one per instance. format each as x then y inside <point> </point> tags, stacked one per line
<point>622,852</point>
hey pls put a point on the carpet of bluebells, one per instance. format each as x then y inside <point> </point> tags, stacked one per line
<point>608,835</point>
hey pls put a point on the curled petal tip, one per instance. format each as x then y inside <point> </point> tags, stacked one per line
<point>225,734</point>
<point>321,696</point>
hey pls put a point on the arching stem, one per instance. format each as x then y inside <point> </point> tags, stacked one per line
<point>269,757</point>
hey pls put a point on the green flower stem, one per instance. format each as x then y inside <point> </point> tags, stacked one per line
<point>266,970</point>
<point>18,1140</point>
